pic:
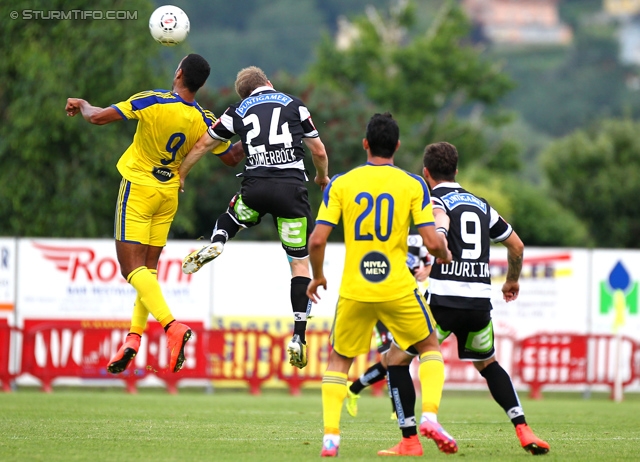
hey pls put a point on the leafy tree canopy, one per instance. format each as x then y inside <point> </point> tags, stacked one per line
<point>59,175</point>
<point>594,172</point>
<point>436,84</point>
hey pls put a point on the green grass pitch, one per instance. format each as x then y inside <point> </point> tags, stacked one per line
<point>111,425</point>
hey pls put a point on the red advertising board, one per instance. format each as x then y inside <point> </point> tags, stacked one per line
<point>5,354</point>
<point>571,359</point>
<point>82,348</point>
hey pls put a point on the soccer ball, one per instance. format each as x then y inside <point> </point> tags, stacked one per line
<point>169,25</point>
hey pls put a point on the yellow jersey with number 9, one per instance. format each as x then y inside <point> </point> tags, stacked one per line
<point>168,127</point>
<point>377,204</point>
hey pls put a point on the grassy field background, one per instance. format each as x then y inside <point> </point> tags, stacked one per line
<point>111,425</point>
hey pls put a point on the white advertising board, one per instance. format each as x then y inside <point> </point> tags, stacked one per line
<point>614,292</point>
<point>254,279</point>
<point>8,247</point>
<point>554,292</point>
<point>80,279</point>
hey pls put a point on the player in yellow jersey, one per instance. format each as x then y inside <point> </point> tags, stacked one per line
<point>169,124</point>
<point>377,202</point>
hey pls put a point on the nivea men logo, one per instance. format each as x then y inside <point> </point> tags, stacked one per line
<point>251,101</point>
<point>162,174</point>
<point>375,267</point>
<point>454,199</point>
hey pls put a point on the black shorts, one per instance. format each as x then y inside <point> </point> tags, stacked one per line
<point>287,201</point>
<point>473,330</point>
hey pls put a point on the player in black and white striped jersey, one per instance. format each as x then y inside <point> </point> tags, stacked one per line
<point>272,127</point>
<point>459,293</point>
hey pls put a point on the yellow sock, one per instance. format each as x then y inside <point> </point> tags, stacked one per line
<point>431,372</point>
<point>334,392</point>
<point>151,297</point>
<point>140,313</point>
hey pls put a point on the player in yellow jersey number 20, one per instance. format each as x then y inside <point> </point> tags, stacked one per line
<point>377,202</point>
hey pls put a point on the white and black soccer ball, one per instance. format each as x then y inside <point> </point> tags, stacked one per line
<point>169,25</point>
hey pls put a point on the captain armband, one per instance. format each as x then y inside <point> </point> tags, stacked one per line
<point>443,230</point>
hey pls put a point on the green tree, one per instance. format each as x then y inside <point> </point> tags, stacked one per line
<point>594,172</point>
<point>59,175</point>
<point>538,219</point>
<point>428,79</point>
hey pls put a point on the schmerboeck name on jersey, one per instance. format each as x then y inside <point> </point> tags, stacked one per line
<point>375,267</point>
<point>277,157</point>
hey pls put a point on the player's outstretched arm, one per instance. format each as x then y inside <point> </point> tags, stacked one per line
<point>317,245</point>
<point>320,161</point>
<point>515,251</point>
<point>205,144</point>
<point>93,114</point>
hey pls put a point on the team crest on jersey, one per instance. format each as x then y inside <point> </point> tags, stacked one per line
<point>375,267</point>
<point>454,199</point>
<point>251,101</point>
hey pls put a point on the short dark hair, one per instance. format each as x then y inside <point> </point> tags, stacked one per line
<point>195,71</point>
<point>383,134</point>
<point>441,159</point>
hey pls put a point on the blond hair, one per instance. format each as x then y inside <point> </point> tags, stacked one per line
<point>249,79</point>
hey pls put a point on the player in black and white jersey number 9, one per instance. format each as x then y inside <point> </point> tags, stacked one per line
<point>272,127</point>
<point>459,293</point>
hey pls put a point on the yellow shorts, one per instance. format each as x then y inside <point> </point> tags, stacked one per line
<point>408,318</point>
<point>144,213</point>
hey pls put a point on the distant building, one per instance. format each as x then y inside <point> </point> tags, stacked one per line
<point>626,14</point>
<point>518,22</point>
<point>621,8</point>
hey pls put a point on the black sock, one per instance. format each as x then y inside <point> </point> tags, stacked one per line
<point>403,395</point>
<point>300,304</point>
<point>374,374</point>
<point>225,229</point>
<point>166,328</point>
<point>503,393</point>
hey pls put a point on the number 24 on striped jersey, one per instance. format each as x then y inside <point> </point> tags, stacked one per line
<point>276,139</point>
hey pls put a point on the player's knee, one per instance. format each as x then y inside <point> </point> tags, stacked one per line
<point>482,365</point>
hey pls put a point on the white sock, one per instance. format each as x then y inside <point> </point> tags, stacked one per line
<point>335,439</point>
<point>430,416</point>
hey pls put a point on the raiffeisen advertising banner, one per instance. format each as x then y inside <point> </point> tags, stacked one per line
<point>8,247</point>
<point>80,279</point>
<point>554,292</point>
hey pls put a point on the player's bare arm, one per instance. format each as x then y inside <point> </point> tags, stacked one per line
<point>515,251</point>
<point>93,114</point>
<point>435,244</point>
<point>320,161</point>
<point>442,224</point>
<point>317,245</point>
<point>205,144</point>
